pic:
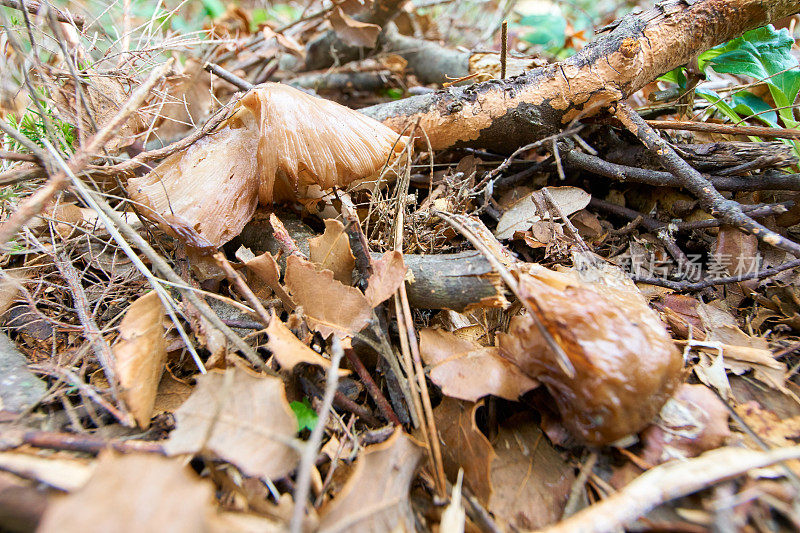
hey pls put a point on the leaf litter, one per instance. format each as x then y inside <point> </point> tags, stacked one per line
<point>582,376</point>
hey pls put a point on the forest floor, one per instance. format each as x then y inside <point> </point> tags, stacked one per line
<point>349,266</point>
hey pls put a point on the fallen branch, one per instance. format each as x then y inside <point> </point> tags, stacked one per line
<point>719,206</point>
<point>687,286</point>
<point>726,129</point>
<point>503,114</point>
<point>766,181</point>
<point>667,482</point>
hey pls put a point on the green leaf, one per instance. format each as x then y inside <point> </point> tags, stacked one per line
<point>677,76</point>
<point>764,54</point>
<point>721,105</point>
<point>306,416</point>
<point>747,104</point>
<point>549,30</point>
<point>214,8</point>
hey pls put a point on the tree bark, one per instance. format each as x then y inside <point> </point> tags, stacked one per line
<point>502,114</point>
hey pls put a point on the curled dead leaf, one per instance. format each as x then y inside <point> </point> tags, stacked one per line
<point>331,251</point>
<point>290,351</point>
<point>388,273</point>
<point>625,363</point>
<point>140,354</point>
<point>352,31</point>
<point>468,371</point>
<point>330,307</point>
<point>208,192</point>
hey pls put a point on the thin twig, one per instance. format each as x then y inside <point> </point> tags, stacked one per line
<point>230,77</point>
<point>16,156</point>
<point>372,387</point>
<point>33,7</point>
<point>692,180</point>
<point>242,287</point>
<point>311,448</point>
<point>35,203</point>
<point>88,443</point>
<point>102,350</point>
<point>684,286</point>
<point>503,49</point>
<point>707,127</point>
<point>667,482</point>
<point>658,178</point>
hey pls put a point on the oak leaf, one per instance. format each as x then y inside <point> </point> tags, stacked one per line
<point>290,351</point>
<point>464,446</point>
<point>330,307</point>
<point>134,493</point>
<point>388,273</point>
<point>352,31</point>
<point>468,371</point>
<point>375,497</point>
<point>331,251</point>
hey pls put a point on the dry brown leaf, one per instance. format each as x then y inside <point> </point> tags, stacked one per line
<point>736,251</point>
<point>134,493</point>
<point>104,97</point>
<point>287,42</point>
<point>329,306</point>
<point>290,351</point>
<point>352,31</point>
<point>208,192</point>
<point>140,354</point>
<point>523,213</point>
<point>740,352</point>
<point>690,423</point>
<point>388,273</point>
<point>62,473</point>
<point>266,269</point>
<point>626,365</point>
<point>767,425</point>
<point>239,418</point>
<point>464,446</point>
<point>468,371</point>
<point>171,394</point>
<point>531,480</point>
<point>375,497</point>
<point>331,251</point>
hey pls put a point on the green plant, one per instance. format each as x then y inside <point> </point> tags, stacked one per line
<point>306,416</point>
<point>33,126</point>
<point>763,54</point>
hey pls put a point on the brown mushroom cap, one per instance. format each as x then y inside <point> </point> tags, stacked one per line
<point>206,193</point>
<point>279,142</point>
<point>315,142</point>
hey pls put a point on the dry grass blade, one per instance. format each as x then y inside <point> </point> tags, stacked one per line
<point>34,205</point>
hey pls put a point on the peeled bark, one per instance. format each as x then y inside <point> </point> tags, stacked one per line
<point>502,114</point>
